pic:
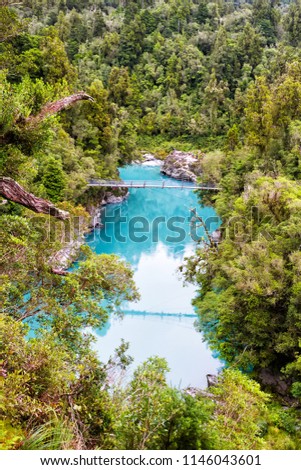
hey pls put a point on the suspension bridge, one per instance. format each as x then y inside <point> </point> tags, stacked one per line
<point>139,313</point>
<point>161,184</point>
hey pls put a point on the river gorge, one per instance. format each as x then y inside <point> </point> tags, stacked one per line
<point>152,231</point>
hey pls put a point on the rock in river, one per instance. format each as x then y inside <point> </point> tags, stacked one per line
<point>148,159</point>
<point>183,166</point>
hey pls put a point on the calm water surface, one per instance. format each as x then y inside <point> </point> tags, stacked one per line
<point>162,322</point>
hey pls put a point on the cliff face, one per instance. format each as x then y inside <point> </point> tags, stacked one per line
<point>183,166</point>
<point>113,196</point>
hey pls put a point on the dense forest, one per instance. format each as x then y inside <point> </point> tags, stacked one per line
<point>85,87</point>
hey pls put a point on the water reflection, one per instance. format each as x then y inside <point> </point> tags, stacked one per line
<point>174,338</point>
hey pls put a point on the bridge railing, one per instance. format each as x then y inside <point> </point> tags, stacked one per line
<point>151,184</point>
<point>142,183</point>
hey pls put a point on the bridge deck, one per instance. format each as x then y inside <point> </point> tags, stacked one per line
<point>151,184</point>
<point>178,315</point>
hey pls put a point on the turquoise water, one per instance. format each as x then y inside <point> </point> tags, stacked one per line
<point>152,230</point>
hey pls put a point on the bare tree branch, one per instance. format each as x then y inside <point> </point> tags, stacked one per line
<point>214,238</point>
<point>57,106</point>
<point>12,191</point>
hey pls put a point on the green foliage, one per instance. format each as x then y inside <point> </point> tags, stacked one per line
<point>155,416</point>
<point>53,435</point>
<point>251,314</point>
<point>10,25</point>
<point>44,379</point>
<point>292,22</point>
<point>240,411</point>
<point>10,436</point>
<point>53,180</point>
<point>149,406</point>
<point>65,304</point>
<point>232,138</point>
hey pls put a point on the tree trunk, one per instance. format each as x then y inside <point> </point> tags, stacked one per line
<point>12,191</point>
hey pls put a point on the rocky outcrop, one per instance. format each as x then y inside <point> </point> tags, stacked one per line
<point>274,381</point>
<point>183,166</point>
<point>63,258</point>
<point>116,196</point>
<point>198,392</point>
<point>95,213</point>
<point>212,380</point>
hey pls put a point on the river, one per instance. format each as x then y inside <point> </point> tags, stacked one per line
<point>152,231</point>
